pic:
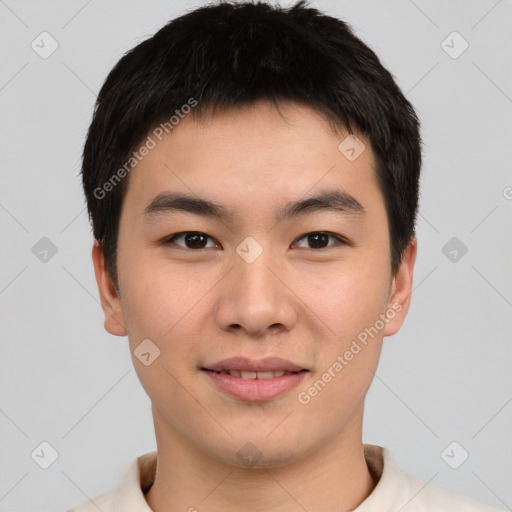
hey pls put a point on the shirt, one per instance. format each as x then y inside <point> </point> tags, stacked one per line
<point>395,490</point>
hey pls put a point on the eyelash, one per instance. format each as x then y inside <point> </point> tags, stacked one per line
<point>341,240</point>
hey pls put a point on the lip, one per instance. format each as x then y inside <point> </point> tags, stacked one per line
<point>255,390</point>
<point>268,364</point>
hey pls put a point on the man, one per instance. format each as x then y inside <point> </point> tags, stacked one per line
<point>251,175</point>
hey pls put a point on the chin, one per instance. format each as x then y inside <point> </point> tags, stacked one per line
<point>258,454</point>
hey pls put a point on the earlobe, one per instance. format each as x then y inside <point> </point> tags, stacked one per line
<point>110,300</point>
<point>401,288</point>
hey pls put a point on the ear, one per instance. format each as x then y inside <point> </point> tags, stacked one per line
<point>401,288</point>
<point>110,300</point>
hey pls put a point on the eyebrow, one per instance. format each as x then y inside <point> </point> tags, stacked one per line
<point>329,200</point>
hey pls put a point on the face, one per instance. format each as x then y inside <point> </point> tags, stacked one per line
<point>250,274</point>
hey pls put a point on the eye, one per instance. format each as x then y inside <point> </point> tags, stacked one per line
<point>320,240</point>
<point>198,240</point>
<point>191,240</point>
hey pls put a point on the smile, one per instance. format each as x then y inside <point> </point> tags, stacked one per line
<point>252,386</point>
<point>254,375</point>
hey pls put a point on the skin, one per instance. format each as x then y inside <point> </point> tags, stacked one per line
<point>294,301</point>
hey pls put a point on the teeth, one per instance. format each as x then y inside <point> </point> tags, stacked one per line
<point>265,375</point>
<point>248,375</point>
<point>253,375</point>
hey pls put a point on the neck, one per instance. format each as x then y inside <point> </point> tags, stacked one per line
<point>333,477</point>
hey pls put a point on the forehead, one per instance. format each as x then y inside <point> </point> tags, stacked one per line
<point>253,156</point>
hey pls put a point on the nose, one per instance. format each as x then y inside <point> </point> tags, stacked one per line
<point>256,299</point>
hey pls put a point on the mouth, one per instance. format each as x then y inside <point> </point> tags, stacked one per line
<point>246,365</point>
<point>255,380</point>
<point>248,375</point>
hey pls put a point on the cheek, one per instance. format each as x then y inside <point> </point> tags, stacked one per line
<point>158,298</point>
<point>162,308</point>
<point>349,303</point>
<point>347,300</point>
<point>350,351</point>
<point>170,308</point>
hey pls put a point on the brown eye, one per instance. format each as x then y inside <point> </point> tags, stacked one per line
<point>320,240</point>
<point>191,240</point>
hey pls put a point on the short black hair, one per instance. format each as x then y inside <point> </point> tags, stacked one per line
<point>231,54</point>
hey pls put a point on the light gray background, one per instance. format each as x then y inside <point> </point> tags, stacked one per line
<point>445,377</point>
